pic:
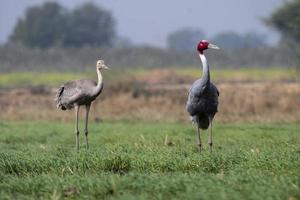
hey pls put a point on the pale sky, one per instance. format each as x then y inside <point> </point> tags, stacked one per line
<point>149,22</point>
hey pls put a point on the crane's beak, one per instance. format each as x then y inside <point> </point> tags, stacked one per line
<point>105,67</point>
<point>213,46</point>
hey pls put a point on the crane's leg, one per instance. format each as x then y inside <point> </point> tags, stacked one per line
<point>76,127</point>
<point>87,106</point>
<point>210,142</point>
<point>198,138</point>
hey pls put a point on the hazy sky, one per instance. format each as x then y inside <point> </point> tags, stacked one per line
<point>150,21</point>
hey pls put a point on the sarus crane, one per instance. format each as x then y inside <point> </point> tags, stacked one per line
<point>202,103</point>
<point>73,94</point>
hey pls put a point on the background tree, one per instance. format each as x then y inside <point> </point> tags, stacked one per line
<point>42,26</point>
<point>90,25</point>
<point>232,40</point>
<point>50,24</point>
<point>184,39</point>
<point>228,40</point>
<point>286,20</point>
<point>254,40</point>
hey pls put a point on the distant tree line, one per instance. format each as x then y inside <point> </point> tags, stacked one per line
<point>83,59</point>
<point>186,39</point>
<point>50,25</point>
<point>285,20</point>
<point>90,31</point>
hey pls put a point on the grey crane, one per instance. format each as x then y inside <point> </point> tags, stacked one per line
<point>202,103</point>
<point>73,94</point>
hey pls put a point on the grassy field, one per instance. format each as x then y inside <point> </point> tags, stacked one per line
<point>251,74</point>
<point>48,78</point>
<point>130,161</point>
<point>57,78</point>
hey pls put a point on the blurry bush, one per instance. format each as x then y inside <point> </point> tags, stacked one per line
<point>286,20</point>
<point>232,40</point>
<point>184,39</point>
<point>51,25</point>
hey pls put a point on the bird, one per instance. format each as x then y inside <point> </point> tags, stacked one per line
<point>202,102</point>
<point>74,94</point>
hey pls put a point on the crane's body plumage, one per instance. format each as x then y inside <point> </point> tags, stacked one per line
<point>80,92</point>
<point>202,102</point>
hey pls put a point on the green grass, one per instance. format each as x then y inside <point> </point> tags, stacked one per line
<point>57,78</point>
<point>130,161</point>
<point>52,78</point>
<point>252,74</point>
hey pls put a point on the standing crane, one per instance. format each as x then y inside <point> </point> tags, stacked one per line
<point>73,94</point>
<point>202,103</point>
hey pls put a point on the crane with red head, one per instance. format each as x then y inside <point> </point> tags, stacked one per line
<point>202,103</point>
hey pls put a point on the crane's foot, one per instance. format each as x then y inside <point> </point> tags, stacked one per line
<point>210,146</point>
<point>199,148</point>
<point>86,140</point>
<point>77,140</point>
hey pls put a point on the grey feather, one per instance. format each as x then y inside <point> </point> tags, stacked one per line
<point>81,92</point>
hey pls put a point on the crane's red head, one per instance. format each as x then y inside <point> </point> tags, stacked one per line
<point>204,44</point>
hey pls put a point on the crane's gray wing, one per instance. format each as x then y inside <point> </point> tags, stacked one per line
<point>198,87</point>
<point>194,103</point>
<point>202,98</point>
<point>71,91</point>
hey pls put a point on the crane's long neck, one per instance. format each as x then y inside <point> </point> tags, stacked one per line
<point>99,86</point>
<point>205,75</point>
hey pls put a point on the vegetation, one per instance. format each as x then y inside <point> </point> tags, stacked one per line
<point>246,74</point>
<point>89,25</point>
<point>286,19</point>
<point>232,40</point>
<point>18,58</point>
<point>14,79</point>
<point>72,40</point>
<point>51,25</point>
<point>129,160</point>
<point>184,39</point>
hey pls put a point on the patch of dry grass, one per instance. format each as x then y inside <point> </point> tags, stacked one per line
<point>243,102</point>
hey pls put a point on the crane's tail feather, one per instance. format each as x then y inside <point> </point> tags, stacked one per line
<point>57,99</point>
<point>202,121</point>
